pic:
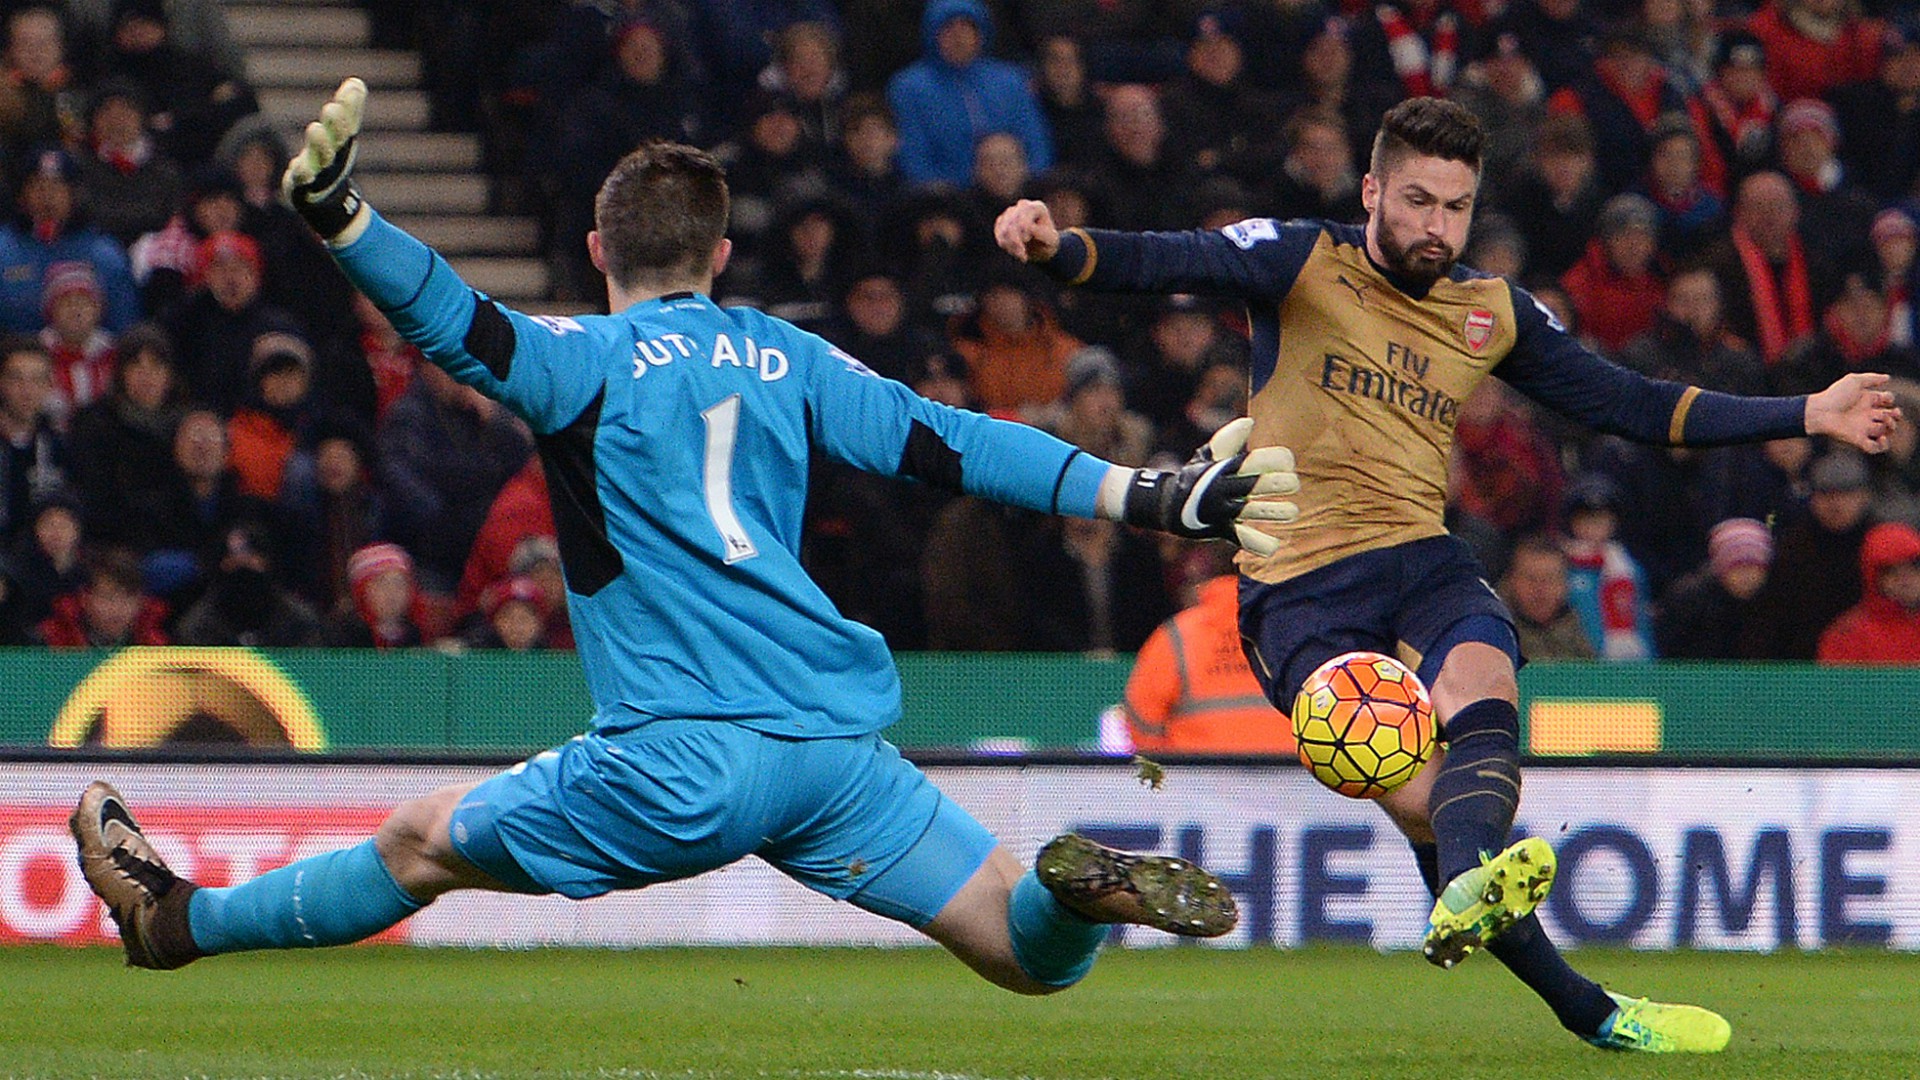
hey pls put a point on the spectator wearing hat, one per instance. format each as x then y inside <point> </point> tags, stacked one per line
<point>1740,104</point>
<point>1692,218</point>
<point>1014,346</point>
<point>33,454</point>
<point>1535,588</point>
<point>955,93</point>
<point>1816,564</point>
<point>244,603</point>
<point>1616,288</point>
<point>1623,97</point>
<point>218,326</point>
<point>1880,117</point>
<point>268,428</point>
<point>193,102</point>
<point>83,354</point>
<point>1854,336</point>
<point>1894,237</point>
<point>1562,37</point>
<point>165,261</point>
<point>1835,214</point>
<point>1773,283</point>
<point>122,445</point>
<point>1215,116</point>
<point>131,187</point>
<point>513,617</point>
<point>47,230</point>
<point>40,98</point>
<point>1814,46</point>
<point>1092,411</point>
<point>381,604</point>
<point>1884,627</point>
<point>46,553</point>
<point>110,611</point>
<point>1606,586</point>
<point>1558,198</point>
<point>1710,613</point>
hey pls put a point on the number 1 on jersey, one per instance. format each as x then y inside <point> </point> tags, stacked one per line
<point>723,424</point>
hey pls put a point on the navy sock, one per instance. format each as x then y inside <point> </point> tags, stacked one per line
<point>1478,788</point>
<point>1577,1001</point>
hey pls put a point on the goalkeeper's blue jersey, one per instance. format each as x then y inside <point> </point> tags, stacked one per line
<point>676,437</point>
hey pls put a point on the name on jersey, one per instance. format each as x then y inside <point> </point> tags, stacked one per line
<point>1398,381</point>
<point>660,351</point>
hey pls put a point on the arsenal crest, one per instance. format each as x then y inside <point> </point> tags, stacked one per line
<point>1479,328</point>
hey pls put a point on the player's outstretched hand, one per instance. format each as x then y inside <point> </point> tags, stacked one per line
<point>1857,409</point>
<point>319,180</point>
<point>1026,231</point>
<point>1219,493</point>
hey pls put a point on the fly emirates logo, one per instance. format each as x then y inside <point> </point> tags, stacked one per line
<point>1399,380</point>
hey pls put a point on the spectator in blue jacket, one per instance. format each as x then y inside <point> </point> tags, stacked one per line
<point>955,94</point>
<point>45,232</point>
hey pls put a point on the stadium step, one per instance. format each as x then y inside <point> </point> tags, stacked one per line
<point>425,193</point>
<point>421,151</point>
<point>472,234</point>
<point>297,25</point>
<point>502,278</point>
<point>387,110</point>
<point>323,69</point>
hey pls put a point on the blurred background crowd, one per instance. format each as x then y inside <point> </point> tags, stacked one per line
<point>208,438</point>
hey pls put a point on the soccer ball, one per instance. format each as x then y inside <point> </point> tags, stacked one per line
<point>1364,724</point>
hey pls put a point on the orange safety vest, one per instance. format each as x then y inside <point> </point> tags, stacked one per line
<point>1191,690</point>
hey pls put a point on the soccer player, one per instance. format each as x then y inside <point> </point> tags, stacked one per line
<point>1366,339</point>
<point>736,711</point>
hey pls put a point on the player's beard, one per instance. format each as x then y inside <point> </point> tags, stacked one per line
<point>1423,262</point>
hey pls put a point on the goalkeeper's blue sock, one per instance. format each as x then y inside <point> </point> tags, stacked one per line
<point>1478,788</point>
<point>332,899</point>
<point>1053,945</point>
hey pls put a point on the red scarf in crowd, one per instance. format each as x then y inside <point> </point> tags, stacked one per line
<point>1776,332</point>
<point>1426,69</point>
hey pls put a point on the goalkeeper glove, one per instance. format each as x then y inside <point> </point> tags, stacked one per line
<point>319,180</point>
<point>1218,493</point>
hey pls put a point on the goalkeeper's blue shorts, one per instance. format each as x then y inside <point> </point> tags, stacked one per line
<point>847,817</point>
<point>1413,601</point>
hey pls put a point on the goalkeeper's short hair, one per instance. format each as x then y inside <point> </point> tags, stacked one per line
<point>660,214</point>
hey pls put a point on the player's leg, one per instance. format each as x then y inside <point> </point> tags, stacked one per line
<point>870,828</point>
<point>331,899</point>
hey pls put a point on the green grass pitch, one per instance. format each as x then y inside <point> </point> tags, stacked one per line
<point>915,1014</point>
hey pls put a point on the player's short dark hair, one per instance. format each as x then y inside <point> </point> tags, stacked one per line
<point>659,213</point>
<point>1428,127</point>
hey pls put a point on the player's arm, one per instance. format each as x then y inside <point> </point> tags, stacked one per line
<point>1548,365</point>
<point>1260,257</point>
<point>539,370</point>
<point>881,426</point>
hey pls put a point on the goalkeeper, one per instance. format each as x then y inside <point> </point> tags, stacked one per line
<point>737,713</point>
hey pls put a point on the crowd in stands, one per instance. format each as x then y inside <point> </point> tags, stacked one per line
<point>209,438</point>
